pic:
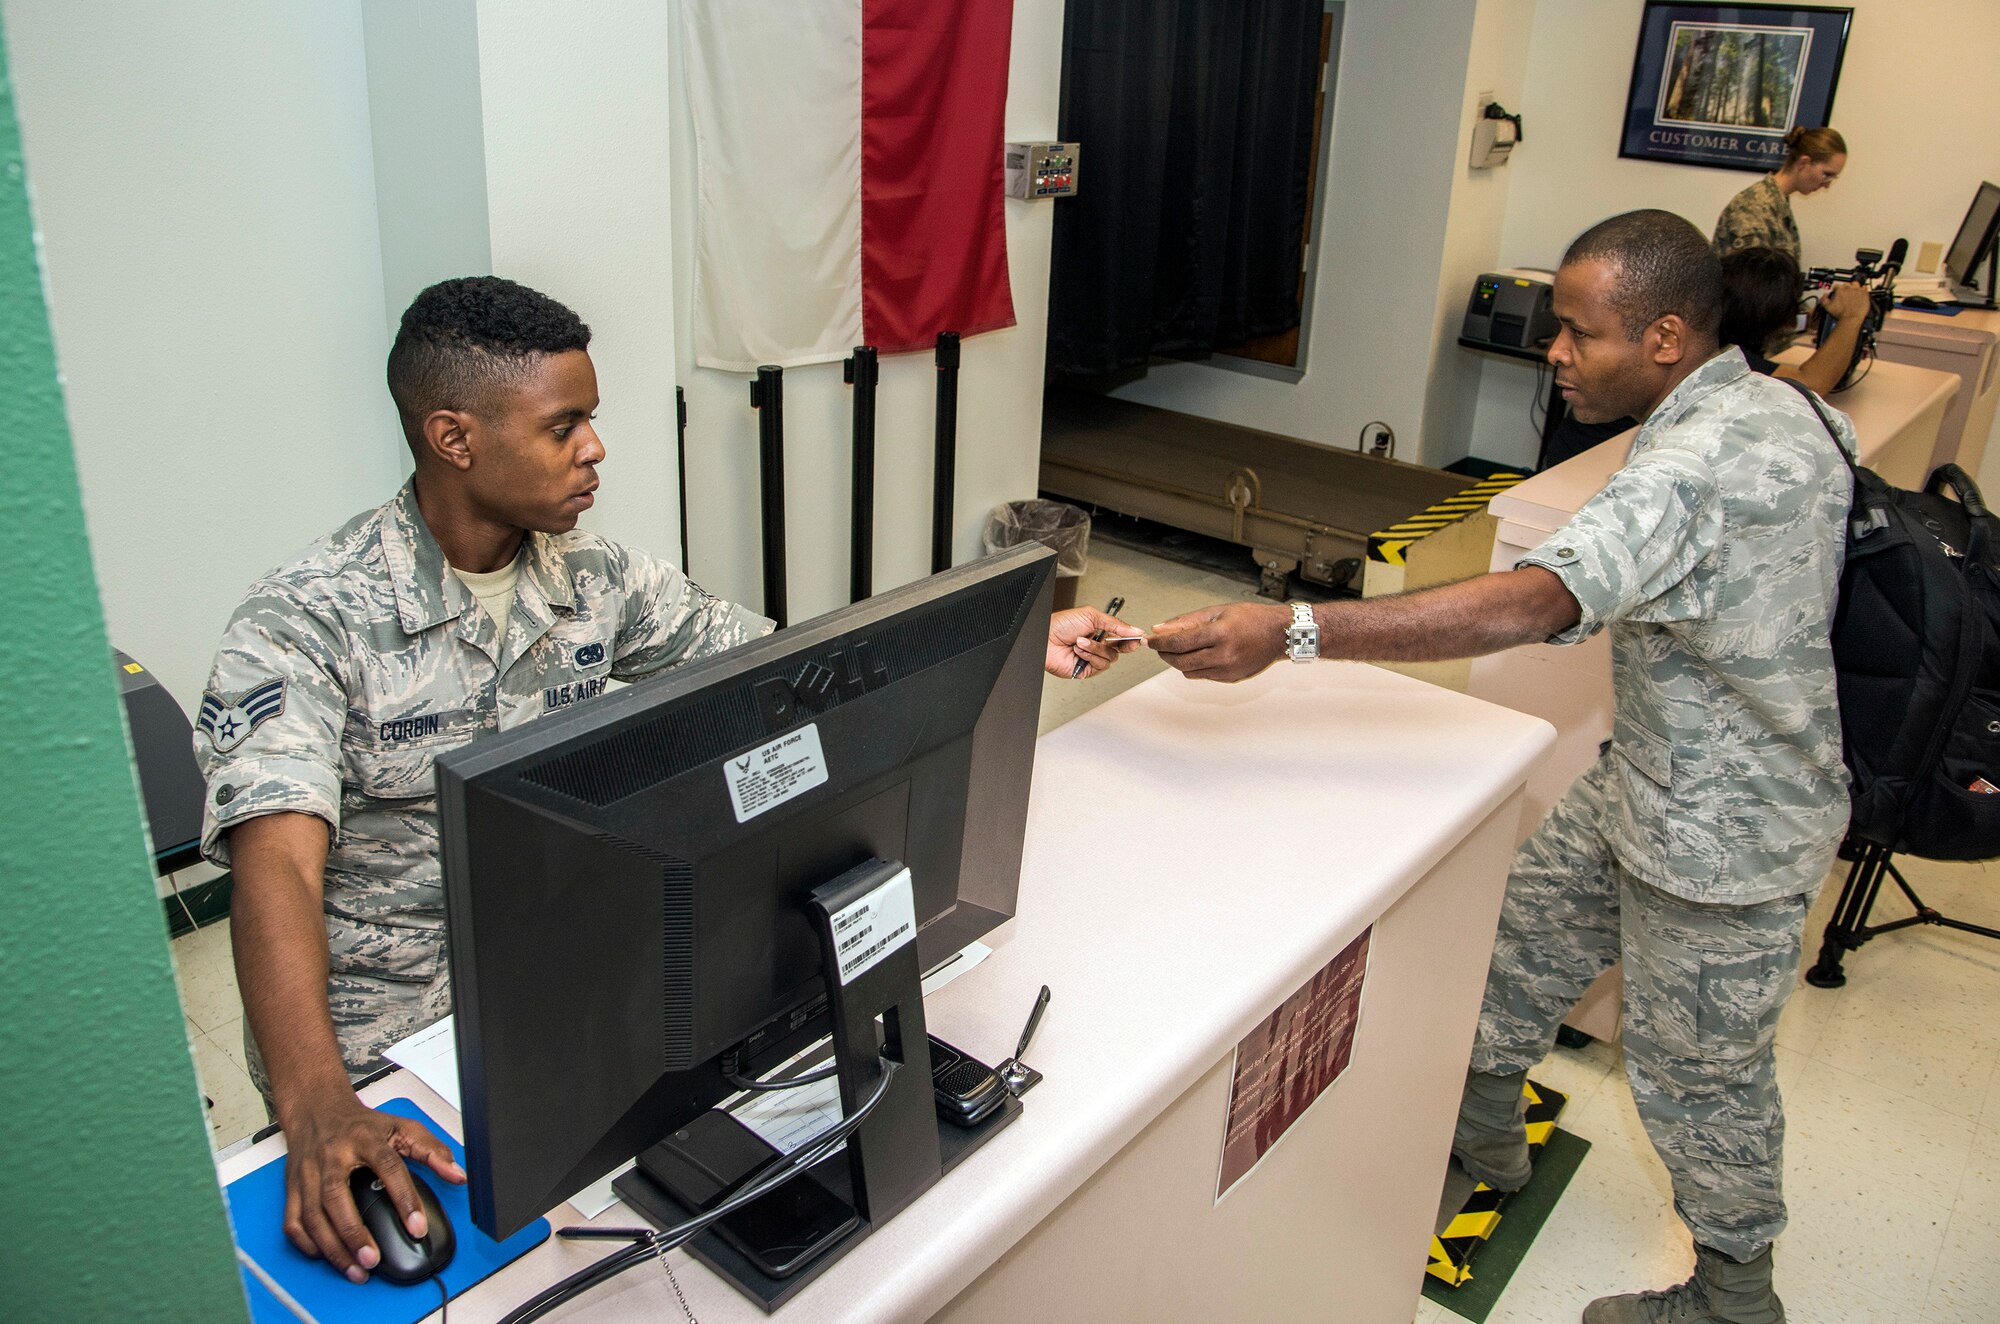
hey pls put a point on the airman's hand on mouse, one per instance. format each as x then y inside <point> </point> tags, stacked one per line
<point>326,1139</point>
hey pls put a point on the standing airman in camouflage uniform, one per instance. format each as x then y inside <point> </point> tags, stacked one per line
<point>1693,847</point>
<point>469,603</point>
<point>1761,215</point>
<point>1758,217</point>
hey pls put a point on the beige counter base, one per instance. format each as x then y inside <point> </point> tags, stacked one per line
<point>1323,1229</point>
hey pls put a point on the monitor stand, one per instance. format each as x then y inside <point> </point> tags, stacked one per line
<point>896,1155</point>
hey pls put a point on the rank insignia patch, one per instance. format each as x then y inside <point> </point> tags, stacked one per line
<point>590,655</point>
<point>229,724</point>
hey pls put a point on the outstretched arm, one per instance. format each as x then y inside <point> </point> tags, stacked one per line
<point>1472,617</point>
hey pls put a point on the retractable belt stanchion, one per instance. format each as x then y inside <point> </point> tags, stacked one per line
<point>767,397</point>
<point>945,473</point>
<point>681,453</point>
<point>861,371</point>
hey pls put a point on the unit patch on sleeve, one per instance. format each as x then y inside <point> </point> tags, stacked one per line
<point>229,722</point>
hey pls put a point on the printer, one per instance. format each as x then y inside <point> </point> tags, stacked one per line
<point>1511,309</point>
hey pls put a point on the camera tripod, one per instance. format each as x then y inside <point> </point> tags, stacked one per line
<point>1849,927</point>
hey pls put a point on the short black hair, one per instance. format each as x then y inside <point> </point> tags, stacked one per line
<point>1761,288</point>
<point>1664,265</point>
<point>461,338</point>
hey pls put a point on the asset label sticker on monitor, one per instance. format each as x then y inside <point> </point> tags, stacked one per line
<point>867,930</point>
<point>768,776</point>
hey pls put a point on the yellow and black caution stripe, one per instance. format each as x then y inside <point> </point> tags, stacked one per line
<point>1478,1219</point>
<point>1388,545</point>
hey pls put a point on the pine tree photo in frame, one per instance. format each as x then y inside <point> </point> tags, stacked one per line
<point>1720,85</point>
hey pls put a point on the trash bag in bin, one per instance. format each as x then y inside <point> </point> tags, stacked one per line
<point>1057,525</point>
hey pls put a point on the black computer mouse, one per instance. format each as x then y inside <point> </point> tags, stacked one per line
<point>1919,301</point>
<point>404,1259</point>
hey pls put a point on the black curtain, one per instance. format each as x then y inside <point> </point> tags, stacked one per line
<point>1195,120</point>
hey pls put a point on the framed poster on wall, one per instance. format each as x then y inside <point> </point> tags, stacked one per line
<point>1721,85</point>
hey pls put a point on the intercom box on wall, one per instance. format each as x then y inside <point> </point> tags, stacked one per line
<point>1041,170</point>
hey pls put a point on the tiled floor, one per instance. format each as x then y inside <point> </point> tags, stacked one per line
<point>1892,1090</point>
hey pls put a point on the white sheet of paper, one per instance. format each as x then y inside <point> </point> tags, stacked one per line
<point>597,1197</point>
<point>787,1119</point>
<point>432,1054</point>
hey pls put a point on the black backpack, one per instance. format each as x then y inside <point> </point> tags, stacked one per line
<point>1916,655</point>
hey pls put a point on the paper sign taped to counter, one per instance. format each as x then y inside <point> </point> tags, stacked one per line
<point>1287,1062</point>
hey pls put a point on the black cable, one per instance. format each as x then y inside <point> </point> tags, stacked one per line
<point>766,1086</point>
<point>1867,366</point>
<point>444,1301</point>
<point>779,1170</point>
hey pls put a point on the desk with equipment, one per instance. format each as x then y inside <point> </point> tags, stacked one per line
<point>1897,410</point>
<point>1511,313</point>
<point>1195,855</point>
<point>1959,334</point>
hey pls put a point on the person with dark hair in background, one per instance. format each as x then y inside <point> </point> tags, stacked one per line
<point>1761,215</point>
<point>469,603</point>
<point>1762,288</point>
<point>1694,845</point>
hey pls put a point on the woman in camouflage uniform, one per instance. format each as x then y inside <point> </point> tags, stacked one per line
<point>1761,215</point>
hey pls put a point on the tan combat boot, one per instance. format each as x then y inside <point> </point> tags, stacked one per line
<point>1491,1140</point>
<point>1721,1292</point>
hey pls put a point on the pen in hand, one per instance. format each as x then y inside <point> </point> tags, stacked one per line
<point>1111,608</point>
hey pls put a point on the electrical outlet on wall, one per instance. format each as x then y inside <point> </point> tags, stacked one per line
<point>1928,256</point>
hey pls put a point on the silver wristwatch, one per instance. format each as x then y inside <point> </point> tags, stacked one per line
<point>1302,635</point>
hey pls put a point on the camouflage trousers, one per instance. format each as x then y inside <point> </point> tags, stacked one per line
<point>1704,985</point>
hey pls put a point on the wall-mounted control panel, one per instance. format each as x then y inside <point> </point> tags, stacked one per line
<point>1041,170</point>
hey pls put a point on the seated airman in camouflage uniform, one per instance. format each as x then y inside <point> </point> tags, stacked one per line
<point>1692,849</point>
<point>469,603</point>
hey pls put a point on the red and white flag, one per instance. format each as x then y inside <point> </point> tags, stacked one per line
<point>849,175</point>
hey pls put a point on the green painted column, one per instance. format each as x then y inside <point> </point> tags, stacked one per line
<point>108,1204</point>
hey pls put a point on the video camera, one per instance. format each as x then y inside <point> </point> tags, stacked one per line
<point>1876,272</point>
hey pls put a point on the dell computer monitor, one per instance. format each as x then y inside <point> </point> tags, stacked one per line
<point>626,882</point>
<point>1973,246</point>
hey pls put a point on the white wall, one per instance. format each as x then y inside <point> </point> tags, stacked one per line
<point>429,139</point>
<point>575,105</point>
<point>1495,69</point>
<point>202,178</point>
<point>1917,104</point>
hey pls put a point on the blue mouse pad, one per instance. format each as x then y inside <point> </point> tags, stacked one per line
<point>257,1209</point>
<point>1942,310</point>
